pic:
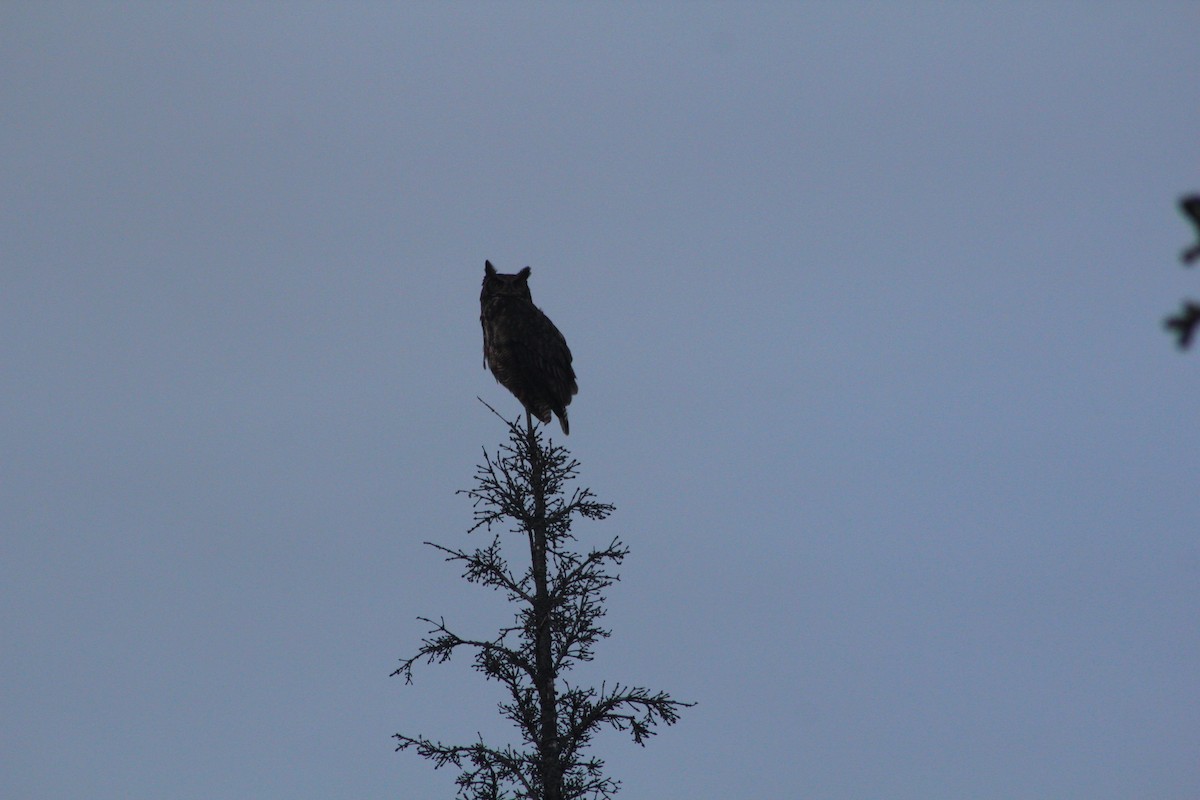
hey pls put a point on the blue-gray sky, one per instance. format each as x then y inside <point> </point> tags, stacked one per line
<point>865,301</point>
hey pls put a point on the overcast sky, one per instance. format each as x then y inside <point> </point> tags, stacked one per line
<point>865,301</point>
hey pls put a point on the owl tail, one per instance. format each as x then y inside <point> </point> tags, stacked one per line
<point>562,420</point>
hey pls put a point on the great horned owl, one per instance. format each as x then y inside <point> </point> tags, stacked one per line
<point>524,350</point>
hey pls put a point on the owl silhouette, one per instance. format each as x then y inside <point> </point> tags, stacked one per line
<point>523,349</point>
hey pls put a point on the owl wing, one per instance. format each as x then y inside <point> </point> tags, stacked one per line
<point>483,324</point>
<point>542,350</point>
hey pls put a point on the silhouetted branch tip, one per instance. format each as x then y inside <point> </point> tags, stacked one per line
<point>1190,206</point>
<point>1184,324</point>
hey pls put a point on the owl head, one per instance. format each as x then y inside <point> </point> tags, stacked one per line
<point>514,285</point>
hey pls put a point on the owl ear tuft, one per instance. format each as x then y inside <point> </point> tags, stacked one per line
<point>525,272</point>
<point>488,269</point>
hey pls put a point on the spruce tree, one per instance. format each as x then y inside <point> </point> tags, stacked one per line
<point>528,488</point>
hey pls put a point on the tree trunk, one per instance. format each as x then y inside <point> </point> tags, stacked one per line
<point>548,747</point>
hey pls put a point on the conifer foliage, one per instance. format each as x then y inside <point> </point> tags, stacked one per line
<point>528,487</point>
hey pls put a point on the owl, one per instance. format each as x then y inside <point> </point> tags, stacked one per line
<point>524,350</point>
